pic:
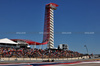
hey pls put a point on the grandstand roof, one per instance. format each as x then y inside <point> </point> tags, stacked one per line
<point>7,41</point>
<point>30,42</point>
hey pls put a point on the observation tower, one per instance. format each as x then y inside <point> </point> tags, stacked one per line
<point>48,35</point>
<point>49,24</point>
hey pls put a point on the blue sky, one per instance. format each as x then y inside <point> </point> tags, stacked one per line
<point>80,18</point>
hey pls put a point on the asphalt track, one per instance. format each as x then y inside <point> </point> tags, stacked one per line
<point>87,64</point>
<point>90,63</point>
<point>77,63</point>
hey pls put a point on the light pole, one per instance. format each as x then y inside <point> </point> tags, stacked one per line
<point>86,48</point>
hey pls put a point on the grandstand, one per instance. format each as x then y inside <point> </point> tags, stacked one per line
<point>39,53</point>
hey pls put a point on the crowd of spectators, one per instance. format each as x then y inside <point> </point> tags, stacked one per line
<point>37,53</point>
